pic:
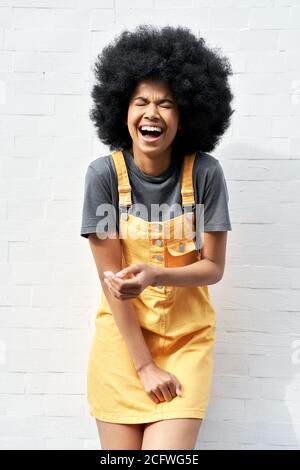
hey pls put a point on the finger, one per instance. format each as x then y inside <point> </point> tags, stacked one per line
<point>128,284</point>
<point>122,273</point>
<point>117,281</point>
<point>118,288</point>
<point>172,388</point>
<point>179,389</point>
<point>110,287</point>
<point>110,281</point>
<point>177,385</point>
<point>129,296</point>
<point>108,274</point>
<point>166,392</point>
<point>123,286</point>
<point>134,268</point>
<point>170,392</point>
<point>159,395</point>
<point>154,397</point>
<point>121,295</point>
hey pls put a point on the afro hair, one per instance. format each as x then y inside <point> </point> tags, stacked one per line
<point>196,75</point>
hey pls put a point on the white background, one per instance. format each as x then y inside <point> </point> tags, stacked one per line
<point>49,289</point>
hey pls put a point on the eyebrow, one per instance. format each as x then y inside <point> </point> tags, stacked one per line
<point>158,101</point>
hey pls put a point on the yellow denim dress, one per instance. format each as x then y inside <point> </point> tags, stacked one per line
<point>178,323</point>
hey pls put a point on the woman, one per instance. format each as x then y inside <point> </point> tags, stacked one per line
<point>162,100</point>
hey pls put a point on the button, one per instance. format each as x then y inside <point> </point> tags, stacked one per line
<point>158,242</point>
<point>160,287</point>
<point>124,215</point>
<point>158,257</point>
<point>181,247</point>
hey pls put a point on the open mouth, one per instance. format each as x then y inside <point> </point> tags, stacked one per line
<point>148,135</point>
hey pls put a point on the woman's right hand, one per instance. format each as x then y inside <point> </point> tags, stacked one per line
<point>158,383</point>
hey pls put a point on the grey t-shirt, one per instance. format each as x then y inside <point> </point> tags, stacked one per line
<point>101,187</point>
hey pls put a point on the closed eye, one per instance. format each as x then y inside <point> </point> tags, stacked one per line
<point>168,107</point>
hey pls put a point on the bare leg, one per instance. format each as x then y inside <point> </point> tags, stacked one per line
<point>120,436</point>
<point>179,433</point>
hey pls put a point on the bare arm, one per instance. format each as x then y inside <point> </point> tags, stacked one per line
<point>107,254</point>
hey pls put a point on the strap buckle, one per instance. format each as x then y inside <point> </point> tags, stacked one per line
<point>124,189</point>
<point>187,192</point>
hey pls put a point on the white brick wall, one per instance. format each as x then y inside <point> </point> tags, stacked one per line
<point>49,290</point>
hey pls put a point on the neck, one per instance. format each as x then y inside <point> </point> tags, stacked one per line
<point>152,165</point>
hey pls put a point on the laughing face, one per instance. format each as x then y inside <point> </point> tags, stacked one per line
<point>152,119</point>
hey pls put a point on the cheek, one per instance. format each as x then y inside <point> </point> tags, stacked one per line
<point>133,120</point>
<point>131,126</point>
<point>172,122</point>
<point>131,116</point>
<point>172,129</point>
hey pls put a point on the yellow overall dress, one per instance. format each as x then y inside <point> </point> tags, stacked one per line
<point>178,323</point>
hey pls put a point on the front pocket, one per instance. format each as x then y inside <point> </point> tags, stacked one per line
<point>181,253</point>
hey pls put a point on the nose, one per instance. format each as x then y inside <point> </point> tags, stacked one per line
<point>152,111</point>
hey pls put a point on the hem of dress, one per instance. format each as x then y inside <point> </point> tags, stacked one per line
<point>146,418</point>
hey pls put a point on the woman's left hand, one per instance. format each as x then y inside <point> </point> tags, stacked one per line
<point>143,275</point>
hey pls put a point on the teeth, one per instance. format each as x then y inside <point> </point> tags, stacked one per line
<point>151,128</point>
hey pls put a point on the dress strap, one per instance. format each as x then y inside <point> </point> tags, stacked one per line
<point>124,188</point>
<point>187,189</point>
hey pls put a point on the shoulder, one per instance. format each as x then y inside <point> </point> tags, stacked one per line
<point>209,177</point>
<point>100,176</point>
<point>205,163</point>
<point>101,167</point>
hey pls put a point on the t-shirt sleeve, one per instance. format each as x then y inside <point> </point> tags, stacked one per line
<point>215,201</point>
<point>98,212</point>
